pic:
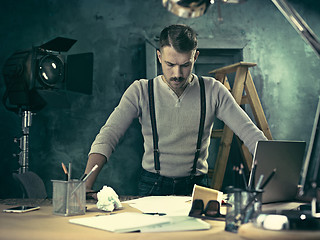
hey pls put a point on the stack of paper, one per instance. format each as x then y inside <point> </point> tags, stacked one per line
<point>179,223</point>
<point>138,222</point>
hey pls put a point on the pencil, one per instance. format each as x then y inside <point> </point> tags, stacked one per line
<point>65,170</point>
<point>243,176</point>
<point>259,182</point>
<point>269,178</point>
<point>252,175</point>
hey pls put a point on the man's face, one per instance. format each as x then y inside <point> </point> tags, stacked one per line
<point>177,67</point>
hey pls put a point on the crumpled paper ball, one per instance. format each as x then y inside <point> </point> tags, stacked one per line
<point>108,199</point>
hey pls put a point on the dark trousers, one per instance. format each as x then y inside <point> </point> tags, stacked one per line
<point>152,184</point>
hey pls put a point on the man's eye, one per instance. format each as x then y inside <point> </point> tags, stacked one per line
<point>170,64</point>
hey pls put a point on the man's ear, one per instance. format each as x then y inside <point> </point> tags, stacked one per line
<point>159,55</point>
<point>196,55</point>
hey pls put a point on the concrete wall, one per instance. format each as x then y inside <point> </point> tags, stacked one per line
<point>286,77</point>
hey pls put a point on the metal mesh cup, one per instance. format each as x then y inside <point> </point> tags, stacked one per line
<point>69,197</point>
<point>242,207</point>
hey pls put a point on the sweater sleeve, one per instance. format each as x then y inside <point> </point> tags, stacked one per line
<point>118,122</point>
<point>237,119</point>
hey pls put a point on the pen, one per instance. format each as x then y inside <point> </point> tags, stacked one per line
<point>259,182</point>
<point>69,172</point>
<point>92,170</point>
<point>83,176</point>
<point>65,171</point>
<point>241,172</point>
<point>269,178</point>
<point>85,179</point>
<point>159,214</point>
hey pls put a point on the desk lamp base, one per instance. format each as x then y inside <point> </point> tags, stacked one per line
<point>288,220</point>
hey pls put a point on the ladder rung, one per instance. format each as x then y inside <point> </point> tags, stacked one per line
<point>244,100</point>
<point>217,133</point>
<point>232,68</point>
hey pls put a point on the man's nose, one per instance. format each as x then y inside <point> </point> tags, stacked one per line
<point>177,71</point>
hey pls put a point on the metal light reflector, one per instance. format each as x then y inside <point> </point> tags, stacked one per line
<point>51,70</point>
<point>187,8</point>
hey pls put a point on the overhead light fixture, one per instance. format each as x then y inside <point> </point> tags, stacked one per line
<point>196,8</point>
<point>27,73</point>
<point>193,8</point>
<point>187,8</point>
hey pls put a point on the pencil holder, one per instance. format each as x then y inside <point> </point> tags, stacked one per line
<point>69,197</point>
<point>242,207</point>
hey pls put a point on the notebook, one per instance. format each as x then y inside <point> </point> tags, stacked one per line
<point>138,222</point>
<point>287,158</point>
<point>122,222</point>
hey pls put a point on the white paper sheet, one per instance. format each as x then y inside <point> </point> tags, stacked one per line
<point>169,205</point>
<point>121,222</point>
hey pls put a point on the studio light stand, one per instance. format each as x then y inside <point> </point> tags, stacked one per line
<point>23,141</point>
<point>29,77</point>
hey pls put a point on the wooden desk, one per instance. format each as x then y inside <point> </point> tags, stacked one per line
<point>42,224</point>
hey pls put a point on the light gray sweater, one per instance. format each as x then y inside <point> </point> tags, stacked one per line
<point>177,123</point>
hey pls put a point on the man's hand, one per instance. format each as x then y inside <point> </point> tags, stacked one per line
<point>94,159</point>
<point>91,194</point>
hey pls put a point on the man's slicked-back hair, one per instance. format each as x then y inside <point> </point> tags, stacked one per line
<point>181,37</point>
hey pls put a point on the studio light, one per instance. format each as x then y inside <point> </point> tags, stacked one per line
<point>51,71</point>
<point>28,73</point>
<point>32,75</point>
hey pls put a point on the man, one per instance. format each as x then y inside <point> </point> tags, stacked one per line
<point>170,164</point>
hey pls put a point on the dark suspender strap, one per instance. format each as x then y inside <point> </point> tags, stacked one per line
<point>154,126</point>
<point>201,125</point>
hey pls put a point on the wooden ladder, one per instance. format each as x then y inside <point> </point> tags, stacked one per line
<point>243,83</point>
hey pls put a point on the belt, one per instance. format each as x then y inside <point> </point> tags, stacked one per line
<point>172,179</point>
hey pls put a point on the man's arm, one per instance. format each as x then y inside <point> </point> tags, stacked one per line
<point>237,119</point>
<point>94,159</point>
<point>115,127</point>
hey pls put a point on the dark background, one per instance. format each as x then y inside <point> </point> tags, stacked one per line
<point>286,75</point>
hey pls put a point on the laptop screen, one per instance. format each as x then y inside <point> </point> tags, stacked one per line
<point>286,158</point>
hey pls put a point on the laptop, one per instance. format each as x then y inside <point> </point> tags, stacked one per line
<point>287,158</point>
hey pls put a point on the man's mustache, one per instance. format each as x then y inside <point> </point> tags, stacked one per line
<point>179,79</point>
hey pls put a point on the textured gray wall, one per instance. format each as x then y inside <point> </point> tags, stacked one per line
<point>286,77</point>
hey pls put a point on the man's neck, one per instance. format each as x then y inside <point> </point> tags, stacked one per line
<point>179,91</point>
